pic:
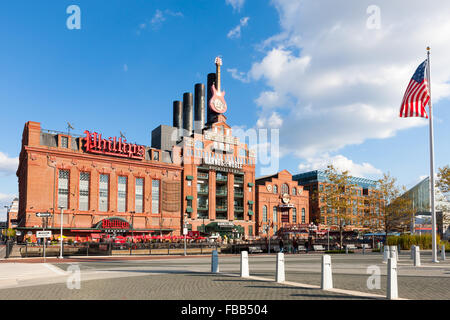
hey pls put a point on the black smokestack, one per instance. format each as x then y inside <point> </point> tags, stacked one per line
<point>177,114</point>
<point>188,110</point>
<point>199,122</point>
<point>211,81</point>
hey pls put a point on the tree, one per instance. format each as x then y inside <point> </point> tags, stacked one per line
<point>397,211</point>
<point>337,195</point>
<point>443,181</point>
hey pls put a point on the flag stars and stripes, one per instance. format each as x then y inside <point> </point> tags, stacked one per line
<point>417,95</point>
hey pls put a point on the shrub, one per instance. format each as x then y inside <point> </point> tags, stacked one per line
<point>407,240</point>
<point>338,251</point>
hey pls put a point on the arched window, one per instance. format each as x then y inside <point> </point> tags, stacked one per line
<point>275,214</point>
<point>294,191</point>
<point>284,188</point>
<point>294,215</point>
<point>275,188</point>
<point>303,215</point>
<point>264,213</point>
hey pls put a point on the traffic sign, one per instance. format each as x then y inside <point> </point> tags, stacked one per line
<point>43,214</point>
<point>43,234</point>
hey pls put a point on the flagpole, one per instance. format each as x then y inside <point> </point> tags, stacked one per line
<point>433,210</point>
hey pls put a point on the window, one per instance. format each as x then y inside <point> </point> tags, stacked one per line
<point>198,145</point>
<point>155,155</point>
<point>294,191</point>
<point>84,191</point>
<point>155,196</point>
<point>275,218</point>
<point>63,189</point>
<point>320,187</point>
<point>139,196</point>
<point>284,188</point>
<point>103,193</point>
<point>64,142</point>
<point>275,189</point>
<point>294,215</point>
<point>264,213</point>
<point>250,230</point>
<point>303,215</point>
<point>122,194</point>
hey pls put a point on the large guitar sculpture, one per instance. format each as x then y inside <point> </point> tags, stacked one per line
<point>217,102</point>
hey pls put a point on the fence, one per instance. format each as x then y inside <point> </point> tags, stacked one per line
<point>111,249</point>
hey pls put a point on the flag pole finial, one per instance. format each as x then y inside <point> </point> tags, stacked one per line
<point>428,49</point>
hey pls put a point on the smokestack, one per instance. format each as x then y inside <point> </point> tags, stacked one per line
<point>177,114</point>
<point>199,122</point>
<point>211,81</point>
<point>188,110</point>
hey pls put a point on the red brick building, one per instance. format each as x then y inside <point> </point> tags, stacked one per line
<point>101,184</point>
<point>281,203</point>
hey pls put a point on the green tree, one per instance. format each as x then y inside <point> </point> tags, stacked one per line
<point>443,181</point>
<point>397,211</point>
<point>337,195</point>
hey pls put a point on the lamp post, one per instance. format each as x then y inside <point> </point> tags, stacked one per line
<point>61,234</point>
<point>184,232</point>
<point>328,237</point>
<point>268,235</point>
<point>7,220</point>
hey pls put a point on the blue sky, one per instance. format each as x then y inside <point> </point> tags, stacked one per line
<point>330,84</point>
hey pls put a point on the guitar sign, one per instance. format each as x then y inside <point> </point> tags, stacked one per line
<point>217,102</point>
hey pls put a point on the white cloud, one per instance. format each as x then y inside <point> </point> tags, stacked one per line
<point>157,20</point>
<point>333,82</point>
<point>341,163</point>
<point>5,200</point>
<point>236,32</point>
<point>236,4</point>
<point>241,76</point>
<point>8,166</point>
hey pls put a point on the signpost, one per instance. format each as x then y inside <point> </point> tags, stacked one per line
<point>43,234</point>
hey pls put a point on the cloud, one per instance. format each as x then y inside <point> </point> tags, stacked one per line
<point>334,82</point>
<point>236,32</point>
<point>8,166</point>
<point>241,76</point>
<point>341,163</point>
<point>5,200</point>
<point>236,4</point>
<point>157,20</point>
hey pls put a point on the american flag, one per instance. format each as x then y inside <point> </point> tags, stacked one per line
<point>417,95</point>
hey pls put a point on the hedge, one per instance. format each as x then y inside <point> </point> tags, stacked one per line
<point>407,240</point>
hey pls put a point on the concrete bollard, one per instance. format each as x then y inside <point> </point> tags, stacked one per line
<point>244,264</point>
<point>392,286</point>
<point>443,253</point>
<point>364,249</point>
<point>416,256</point>
<point>346,249</point>
<point>386,254</point>
<point>412,252</point>
<point>215,262</point>
<point>393,252</point>
<point>327,275</point>
<point>280,267</point>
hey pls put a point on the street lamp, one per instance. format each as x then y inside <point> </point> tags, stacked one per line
<point>61,233</point>
<point>185,232</point>
<point>8,208</point>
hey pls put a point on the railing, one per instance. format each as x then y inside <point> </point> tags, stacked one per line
<point>202,191</point>
<point>239,194</point>
<point>222,178</point>
<point>238,179</point>
<point>221,192</point>
<point>238,208</point>
<point>221,208</point>
<point>202,207</point>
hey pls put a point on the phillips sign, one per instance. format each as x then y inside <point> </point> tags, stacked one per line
<point>94,143</point>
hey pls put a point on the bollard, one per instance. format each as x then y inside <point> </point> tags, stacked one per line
<point>346,249</point>
<point>280,267</point>
<point>443,253</point>
<point>392,288</point>
<point>327,275</point>
<point>386,254</point>
<point>244,264</point>
<point>412,252</point>
<point>416,256</point>
<point>393,252</point>
<point>215,262</point>
<point>364,249</point>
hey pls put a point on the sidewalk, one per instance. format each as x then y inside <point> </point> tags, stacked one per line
<point>14,273</point>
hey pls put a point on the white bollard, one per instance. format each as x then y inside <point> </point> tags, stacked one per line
<point>416,256</point>
<point>393,252</point>
<point>244,264</point>
<point>412,252</point>
<point>386,254</point>
<point>443,253</point>
<point>392,286</point>
<point>327,275</point>
<point>215,262</point>
<point>280,267</point>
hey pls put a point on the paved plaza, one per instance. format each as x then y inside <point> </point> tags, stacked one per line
<point>178,278</point>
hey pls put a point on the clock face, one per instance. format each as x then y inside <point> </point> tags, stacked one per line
<point>285,198</point>
<point>219,105</point>
<point>269,187</point>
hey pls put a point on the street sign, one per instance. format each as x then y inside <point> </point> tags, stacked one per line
<point>43,214</point>
<point>43,234</point>
<point>185,231</point>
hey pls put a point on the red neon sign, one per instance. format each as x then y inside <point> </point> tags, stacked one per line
<point>94,143</point>
<point>115,224</point>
